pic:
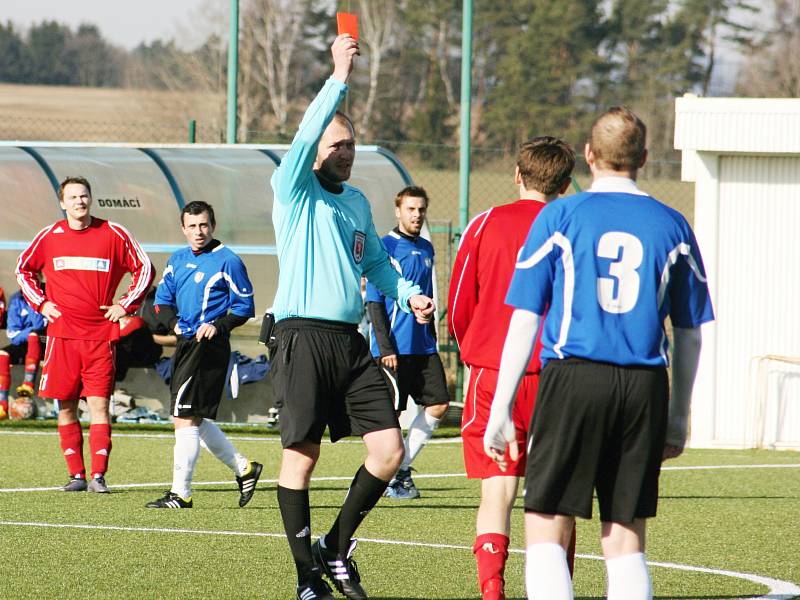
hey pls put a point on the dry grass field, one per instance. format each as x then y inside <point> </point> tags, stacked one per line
<point>60,113</point>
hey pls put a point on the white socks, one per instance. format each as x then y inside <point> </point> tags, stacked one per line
<point>628,578</point>
<point>420,431</point>
<point>547,573</point>
<point>213,440</point>
<point>187,449</point>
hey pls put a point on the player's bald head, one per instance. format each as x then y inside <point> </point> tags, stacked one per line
<point>618,140</point>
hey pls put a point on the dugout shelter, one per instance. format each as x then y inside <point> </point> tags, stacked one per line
<point>144,187</point>
<point>744,156</point>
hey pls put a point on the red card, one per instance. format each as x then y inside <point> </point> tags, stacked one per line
<point>347,23</point>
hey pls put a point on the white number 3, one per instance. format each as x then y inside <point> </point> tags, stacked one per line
<point>618,293</point>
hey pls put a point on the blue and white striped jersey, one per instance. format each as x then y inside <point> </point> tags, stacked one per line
<point>413,259</point>
<point>609,267</point>
<point>205,286</point>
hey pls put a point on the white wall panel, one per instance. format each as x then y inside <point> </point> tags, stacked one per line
<point>752,125</point>
<point>757,299</point>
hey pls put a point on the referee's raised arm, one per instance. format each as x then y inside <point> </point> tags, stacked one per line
<point>297,164</point>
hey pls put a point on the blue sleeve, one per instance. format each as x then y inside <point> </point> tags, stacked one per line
<point>531,285</point>
<point>380,272</point>
<point>165,292</point>
<point>690,302</point>
<point>18,326</point>
<point>240,289</point>
<point>296,165</point>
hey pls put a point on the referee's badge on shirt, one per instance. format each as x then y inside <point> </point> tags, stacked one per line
<point>359,237</point>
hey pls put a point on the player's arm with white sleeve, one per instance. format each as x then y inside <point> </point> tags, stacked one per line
<point>517,349</point>
<point>685,356</point>
<point>690,307</point>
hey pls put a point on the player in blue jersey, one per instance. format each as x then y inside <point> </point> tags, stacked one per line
<point>203,294</point>
<point>322,372</point>
<point>407,350</point>
<point>608,265</point>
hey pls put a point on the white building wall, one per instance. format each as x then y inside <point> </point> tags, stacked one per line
<point>758,287</point>
<point>744,157</point>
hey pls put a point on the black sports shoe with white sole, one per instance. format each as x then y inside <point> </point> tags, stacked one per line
<point>314,588</point>
<point>247,483</point>
<point>170,500</point>
<point>341,569</point>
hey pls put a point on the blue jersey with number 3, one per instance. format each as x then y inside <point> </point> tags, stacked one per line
<point>609,267</point>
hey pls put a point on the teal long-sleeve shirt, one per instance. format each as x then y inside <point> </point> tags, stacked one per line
<point>326,241</point>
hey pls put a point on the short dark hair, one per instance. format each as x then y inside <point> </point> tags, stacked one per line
<point>73,179</point>
<point>618,139</point>
<point>344,119</point>
<point>545,163</point>
<point>411,190</point>
<point>198,207</point>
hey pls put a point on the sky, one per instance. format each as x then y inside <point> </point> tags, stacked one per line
<point>124,23</point>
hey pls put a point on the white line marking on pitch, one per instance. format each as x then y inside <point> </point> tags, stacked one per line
<point>234,436</point>
<point>778,589</point>
<point>227,482</point>
<point>158,484</point>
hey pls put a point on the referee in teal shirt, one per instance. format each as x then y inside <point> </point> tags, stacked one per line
<point>322,372</point>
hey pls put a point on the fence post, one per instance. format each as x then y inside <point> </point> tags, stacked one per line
<point>466,98</point>
<point>192,131</point>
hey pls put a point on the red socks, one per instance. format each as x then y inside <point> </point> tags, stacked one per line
<point>32,358</point>
<point>5,382</point>
<point>100,446</point>
<point>491,552</point>
<point>72,445</point>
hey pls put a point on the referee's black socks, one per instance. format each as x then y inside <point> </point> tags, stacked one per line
<point>364,493</point>
<point>296,515</point>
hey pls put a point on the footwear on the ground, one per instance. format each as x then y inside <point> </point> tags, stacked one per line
<point>494,589</point>
<point>170,500</point>
<point>314,588</point>
<point>25,389</point>
<point>98,485</point>
<point>75,484</point>
<point>247,483</point>
<point>402,487</point>
<point>341,569</point>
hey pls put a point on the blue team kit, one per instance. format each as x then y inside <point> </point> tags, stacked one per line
<point>220,283</point>
<point>413,259</point>
<point>608,268</point>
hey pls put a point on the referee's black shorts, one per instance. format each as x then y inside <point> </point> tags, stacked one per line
<point>323,375</point>
<point>597,426</point>
<point>198,376</point>
<point>420,376</point>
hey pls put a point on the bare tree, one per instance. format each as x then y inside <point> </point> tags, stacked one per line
<point>275,28</point>
<point>377,25</point>
<point>775,69</point>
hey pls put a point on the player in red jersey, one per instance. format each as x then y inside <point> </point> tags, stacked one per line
<point>478,317</point>
<point>83,259</point>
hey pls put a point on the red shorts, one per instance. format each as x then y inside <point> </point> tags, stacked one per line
<point>482,383</point>
<point>77,368</point>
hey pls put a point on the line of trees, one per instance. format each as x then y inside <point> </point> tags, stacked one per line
<point>538,65</point>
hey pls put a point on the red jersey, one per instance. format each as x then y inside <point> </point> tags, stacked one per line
<point>477,314</point>
<point>82,269</point>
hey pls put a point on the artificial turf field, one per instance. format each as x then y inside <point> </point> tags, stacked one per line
<point>728,525</point>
